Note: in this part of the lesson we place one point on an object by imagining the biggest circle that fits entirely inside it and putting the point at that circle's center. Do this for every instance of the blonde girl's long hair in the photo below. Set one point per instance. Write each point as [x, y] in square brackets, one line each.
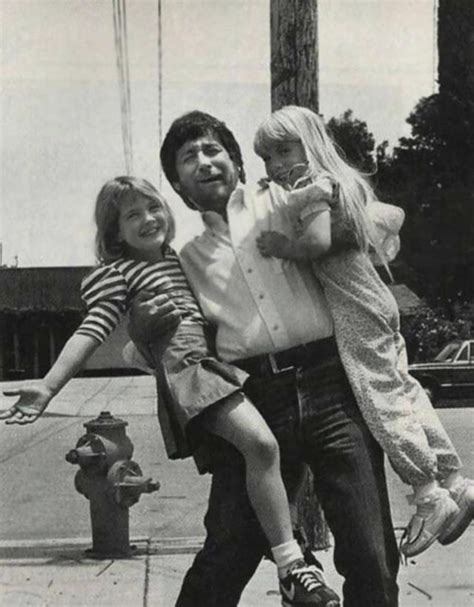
[294, 123]
[108, 246]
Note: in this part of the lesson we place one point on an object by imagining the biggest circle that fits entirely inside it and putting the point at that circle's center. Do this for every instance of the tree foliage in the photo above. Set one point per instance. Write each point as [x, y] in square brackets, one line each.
[430, 329]
[430, 174]
[428, 178]
[456, 84]
[354, 140]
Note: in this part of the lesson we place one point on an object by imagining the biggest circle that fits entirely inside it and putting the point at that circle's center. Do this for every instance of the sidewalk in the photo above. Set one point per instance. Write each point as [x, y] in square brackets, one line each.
[42, 561]
[58, 574]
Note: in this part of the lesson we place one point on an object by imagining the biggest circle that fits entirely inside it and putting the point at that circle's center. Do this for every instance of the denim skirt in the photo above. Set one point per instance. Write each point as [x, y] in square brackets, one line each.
[189, 381]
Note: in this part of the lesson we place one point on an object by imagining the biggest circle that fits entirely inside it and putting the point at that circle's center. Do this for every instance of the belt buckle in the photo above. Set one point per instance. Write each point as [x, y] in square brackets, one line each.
[274, 365]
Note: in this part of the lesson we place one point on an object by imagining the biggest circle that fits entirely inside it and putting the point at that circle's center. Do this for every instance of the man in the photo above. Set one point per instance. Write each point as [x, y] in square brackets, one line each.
[272, 321]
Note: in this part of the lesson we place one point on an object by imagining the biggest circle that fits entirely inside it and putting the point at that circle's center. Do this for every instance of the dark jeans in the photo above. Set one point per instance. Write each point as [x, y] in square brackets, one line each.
[316, 420]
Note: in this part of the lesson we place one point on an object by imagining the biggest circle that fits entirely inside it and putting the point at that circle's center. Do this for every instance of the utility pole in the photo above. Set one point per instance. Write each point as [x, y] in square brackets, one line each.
[294, 81]
[294, 53]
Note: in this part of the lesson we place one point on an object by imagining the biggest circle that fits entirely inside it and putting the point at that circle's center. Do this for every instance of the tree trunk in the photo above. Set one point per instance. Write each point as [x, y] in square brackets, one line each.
[294, 78]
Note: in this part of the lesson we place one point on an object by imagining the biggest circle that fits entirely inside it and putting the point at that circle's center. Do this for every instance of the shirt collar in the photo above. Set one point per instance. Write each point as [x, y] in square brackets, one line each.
[215, 222]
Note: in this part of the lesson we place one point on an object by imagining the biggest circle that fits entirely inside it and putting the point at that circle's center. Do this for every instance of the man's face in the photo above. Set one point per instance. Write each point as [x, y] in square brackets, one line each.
[207, 175]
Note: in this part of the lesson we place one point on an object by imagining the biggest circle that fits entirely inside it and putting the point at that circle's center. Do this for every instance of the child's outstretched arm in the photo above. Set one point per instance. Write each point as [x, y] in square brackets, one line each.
[34, 399]
[314, 241]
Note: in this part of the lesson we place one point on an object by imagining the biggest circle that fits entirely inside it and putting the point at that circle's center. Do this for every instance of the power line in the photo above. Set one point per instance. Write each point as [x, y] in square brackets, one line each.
[160, 86]
[128, 95]
[121, 53]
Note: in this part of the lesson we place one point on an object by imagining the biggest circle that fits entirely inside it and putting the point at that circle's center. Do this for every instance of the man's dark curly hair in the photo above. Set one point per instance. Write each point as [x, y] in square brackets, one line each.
[191, 126]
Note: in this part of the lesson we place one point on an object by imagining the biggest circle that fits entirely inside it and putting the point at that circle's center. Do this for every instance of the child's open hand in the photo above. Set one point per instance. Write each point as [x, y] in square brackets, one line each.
[31, 403]
[274, 244]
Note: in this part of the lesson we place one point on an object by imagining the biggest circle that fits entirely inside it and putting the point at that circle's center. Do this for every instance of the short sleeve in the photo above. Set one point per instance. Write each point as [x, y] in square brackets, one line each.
[387, 221]
[386, 217]
[104, 292]
[310, 200]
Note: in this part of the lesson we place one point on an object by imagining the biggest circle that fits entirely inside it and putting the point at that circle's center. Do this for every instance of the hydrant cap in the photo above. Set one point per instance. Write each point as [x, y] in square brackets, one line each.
[105, 419]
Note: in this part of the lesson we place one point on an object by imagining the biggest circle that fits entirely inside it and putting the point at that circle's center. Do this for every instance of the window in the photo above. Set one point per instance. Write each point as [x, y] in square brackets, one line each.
[463, 356]
[471, 347]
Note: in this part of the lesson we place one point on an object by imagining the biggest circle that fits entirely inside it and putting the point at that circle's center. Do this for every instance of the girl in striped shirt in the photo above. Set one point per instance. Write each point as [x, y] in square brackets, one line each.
[196, 393]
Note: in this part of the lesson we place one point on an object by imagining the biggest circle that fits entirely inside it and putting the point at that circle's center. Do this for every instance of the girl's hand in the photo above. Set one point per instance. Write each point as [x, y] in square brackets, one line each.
[274, 244]
[32, 401]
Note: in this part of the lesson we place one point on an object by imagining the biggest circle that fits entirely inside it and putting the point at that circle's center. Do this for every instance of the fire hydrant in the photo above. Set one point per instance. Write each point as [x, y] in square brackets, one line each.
[111, 481]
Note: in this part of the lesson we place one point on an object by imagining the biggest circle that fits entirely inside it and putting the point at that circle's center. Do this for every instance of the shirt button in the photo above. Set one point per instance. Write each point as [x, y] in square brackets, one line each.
[261, 296]
[249, 271]
[275, 327]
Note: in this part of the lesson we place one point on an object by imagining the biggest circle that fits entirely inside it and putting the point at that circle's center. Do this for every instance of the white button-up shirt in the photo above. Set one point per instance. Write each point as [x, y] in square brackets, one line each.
[258, 305]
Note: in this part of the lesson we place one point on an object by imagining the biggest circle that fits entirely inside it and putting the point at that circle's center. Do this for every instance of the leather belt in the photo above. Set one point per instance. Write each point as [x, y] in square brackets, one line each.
[298, 357]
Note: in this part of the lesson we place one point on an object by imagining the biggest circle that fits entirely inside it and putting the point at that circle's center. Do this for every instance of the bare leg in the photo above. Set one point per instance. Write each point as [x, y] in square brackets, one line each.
[240, 423]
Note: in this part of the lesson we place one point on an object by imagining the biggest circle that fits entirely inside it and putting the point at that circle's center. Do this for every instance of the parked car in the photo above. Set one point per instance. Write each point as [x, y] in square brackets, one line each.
[450, 374]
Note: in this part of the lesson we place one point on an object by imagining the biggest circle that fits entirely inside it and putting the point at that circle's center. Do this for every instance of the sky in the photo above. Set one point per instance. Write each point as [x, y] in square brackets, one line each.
[60, 118]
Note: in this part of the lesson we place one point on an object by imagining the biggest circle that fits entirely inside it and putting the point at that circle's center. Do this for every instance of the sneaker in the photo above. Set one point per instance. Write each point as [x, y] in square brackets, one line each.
[433, 513]
[304, 586]
[463, 494]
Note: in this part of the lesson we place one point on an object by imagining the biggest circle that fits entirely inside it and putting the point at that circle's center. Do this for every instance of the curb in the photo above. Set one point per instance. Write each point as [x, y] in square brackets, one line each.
[22, 549]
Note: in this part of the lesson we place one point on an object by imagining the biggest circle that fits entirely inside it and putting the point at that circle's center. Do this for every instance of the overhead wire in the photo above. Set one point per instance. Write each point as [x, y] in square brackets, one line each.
[128, 95]
[123, 69]
[160, 85]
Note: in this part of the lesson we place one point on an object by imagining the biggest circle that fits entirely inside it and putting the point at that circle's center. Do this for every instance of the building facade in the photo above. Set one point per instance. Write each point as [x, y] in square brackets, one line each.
[40, 308]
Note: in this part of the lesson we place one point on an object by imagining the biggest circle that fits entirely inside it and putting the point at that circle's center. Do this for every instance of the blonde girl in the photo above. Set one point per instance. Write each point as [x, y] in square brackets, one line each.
[197, 393]
[331, 210]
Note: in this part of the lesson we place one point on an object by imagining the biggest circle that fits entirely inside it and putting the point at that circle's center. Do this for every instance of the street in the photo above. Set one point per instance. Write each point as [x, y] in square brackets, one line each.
[38, 495]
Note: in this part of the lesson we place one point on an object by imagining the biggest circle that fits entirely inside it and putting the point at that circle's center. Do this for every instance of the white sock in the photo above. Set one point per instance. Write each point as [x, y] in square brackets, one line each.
[286, 554]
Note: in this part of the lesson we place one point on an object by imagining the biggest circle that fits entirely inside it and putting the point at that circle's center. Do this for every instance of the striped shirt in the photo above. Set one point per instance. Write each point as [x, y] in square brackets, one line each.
[109, 290]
